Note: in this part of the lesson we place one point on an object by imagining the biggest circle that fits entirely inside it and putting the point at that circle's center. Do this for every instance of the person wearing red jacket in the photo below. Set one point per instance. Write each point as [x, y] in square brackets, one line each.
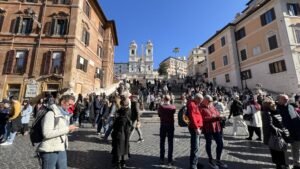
[195, 126]
[212, 130]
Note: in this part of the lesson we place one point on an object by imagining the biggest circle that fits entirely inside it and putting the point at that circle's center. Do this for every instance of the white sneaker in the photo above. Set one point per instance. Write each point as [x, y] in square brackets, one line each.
[6, 144]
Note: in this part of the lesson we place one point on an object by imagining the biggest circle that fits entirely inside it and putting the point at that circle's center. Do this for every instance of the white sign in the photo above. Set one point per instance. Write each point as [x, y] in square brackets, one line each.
[31, 90]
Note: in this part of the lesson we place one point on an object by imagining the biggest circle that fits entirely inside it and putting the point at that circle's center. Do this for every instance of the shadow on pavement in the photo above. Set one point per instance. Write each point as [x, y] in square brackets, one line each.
[89, 160]
[183, 162]
[87, 136]
[178, 136]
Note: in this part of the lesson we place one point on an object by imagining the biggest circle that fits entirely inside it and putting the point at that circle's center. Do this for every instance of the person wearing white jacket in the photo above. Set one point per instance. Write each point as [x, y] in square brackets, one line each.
[26, 112]
[55, 127]
[255, 124]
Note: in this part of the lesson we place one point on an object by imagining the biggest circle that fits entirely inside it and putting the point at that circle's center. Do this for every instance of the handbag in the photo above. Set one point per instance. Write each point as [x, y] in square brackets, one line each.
[276, 142]
[248, 117]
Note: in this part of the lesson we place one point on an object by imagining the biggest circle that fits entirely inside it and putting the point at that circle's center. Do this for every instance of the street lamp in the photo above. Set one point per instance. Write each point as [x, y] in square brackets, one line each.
[175, 51]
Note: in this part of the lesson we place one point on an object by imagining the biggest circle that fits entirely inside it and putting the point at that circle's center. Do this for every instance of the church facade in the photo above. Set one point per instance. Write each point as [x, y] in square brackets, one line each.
[141, 64]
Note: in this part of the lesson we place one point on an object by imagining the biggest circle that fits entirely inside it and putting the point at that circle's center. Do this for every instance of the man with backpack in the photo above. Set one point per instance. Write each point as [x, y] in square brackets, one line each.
[195, 125]
[54, 129]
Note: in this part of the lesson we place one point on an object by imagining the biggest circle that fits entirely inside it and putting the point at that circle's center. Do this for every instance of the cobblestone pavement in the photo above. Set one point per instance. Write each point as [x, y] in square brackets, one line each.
[87, 151]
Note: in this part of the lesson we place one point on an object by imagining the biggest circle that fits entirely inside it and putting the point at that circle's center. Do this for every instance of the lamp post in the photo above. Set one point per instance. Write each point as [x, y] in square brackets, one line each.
[175, 51]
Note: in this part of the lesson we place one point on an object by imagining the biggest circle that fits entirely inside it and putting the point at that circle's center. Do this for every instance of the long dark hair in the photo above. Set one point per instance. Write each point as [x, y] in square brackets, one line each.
[80, 98]
[26, 106]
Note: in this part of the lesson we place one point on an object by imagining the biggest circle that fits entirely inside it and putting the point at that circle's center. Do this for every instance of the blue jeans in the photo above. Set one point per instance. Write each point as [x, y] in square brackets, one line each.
[219, 141]
[108, 127]
[195, 145]
[166, 130]
[99, 123]
[54, 160]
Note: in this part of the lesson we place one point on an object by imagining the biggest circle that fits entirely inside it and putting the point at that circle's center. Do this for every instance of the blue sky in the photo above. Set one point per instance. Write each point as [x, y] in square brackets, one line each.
[168, 23]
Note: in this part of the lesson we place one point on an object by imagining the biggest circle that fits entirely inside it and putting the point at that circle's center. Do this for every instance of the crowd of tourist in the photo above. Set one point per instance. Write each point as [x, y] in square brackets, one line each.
[274, 120]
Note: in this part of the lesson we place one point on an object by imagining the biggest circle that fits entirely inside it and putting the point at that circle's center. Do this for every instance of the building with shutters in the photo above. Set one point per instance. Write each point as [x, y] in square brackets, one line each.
[176, 67]
[121, 70]
[261, 46]
[195, 58]
[46, 46]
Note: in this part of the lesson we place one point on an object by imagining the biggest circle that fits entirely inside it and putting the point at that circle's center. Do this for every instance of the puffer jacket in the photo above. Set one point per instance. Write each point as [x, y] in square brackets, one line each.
[55, 129]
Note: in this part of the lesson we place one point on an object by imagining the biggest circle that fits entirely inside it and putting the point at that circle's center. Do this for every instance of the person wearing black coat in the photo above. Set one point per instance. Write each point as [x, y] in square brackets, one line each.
[236, 110]
[291, 120]
[98, 116]
[135, 118]
[120, 135]
[272, 125]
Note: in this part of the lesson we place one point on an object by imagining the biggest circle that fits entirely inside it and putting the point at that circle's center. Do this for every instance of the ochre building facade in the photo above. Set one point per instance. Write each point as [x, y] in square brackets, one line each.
[54, 45]
[261, 47]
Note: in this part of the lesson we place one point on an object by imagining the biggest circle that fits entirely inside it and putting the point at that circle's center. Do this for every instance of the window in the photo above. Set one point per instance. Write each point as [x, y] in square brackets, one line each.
[214, 81]
[223, 41]
[81, 63]
[211, 49]
[24, 26]
[268, 17]
[61, 1]
[101, 29]
[99, 73]
[241, 33]
[149, 51]
[213, 66]
[53, 63]
[14, 90]
[246, 74]
[225, 60]
[57, 62]
[20, 62]
[132, 52]
[87, 8]
[277, 67]
[297, 34]
[272, 42]
[59, 26]
[99, 51]
[256, 51]
[227, 78]
[15, 62]
[1, 21]
[293, 9]
[85, 37]
[243, 54]
[32, 1]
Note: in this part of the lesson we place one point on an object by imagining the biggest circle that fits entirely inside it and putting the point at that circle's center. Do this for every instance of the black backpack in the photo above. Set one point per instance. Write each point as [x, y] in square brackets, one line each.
[36, 133]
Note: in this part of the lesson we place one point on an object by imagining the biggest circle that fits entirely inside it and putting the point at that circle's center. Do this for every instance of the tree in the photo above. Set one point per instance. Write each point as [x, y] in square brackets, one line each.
[163, 69]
